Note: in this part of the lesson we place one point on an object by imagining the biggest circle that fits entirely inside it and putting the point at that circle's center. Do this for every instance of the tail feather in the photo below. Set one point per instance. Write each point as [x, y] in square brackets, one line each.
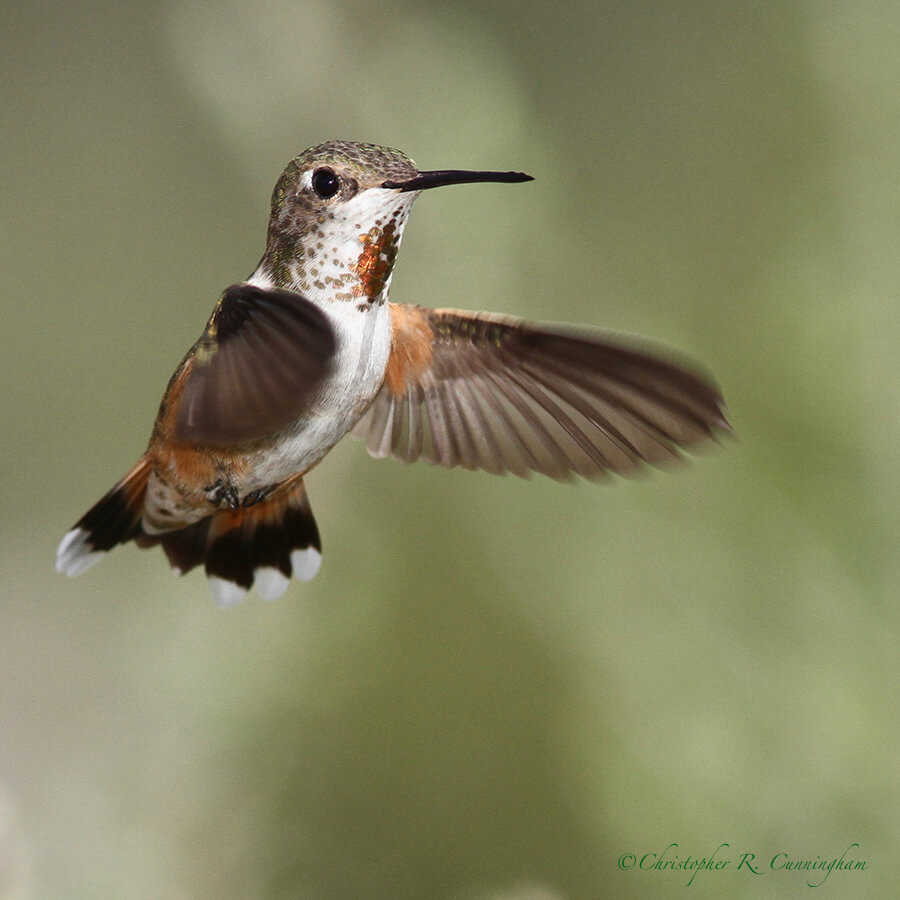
[185, 548]
[114, 519]
[257, 546]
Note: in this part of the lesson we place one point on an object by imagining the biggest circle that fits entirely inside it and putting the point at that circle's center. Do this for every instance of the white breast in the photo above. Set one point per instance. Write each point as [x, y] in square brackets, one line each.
[363, 339]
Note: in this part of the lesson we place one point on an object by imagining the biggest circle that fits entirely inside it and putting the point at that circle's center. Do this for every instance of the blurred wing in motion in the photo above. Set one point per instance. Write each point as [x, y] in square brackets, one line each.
[491, 392]
[262, 356]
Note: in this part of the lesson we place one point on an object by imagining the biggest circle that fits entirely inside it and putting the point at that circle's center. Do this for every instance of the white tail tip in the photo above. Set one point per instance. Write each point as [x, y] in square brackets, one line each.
[226, 593]
[306, 563]
[270, 583]
[74, 555]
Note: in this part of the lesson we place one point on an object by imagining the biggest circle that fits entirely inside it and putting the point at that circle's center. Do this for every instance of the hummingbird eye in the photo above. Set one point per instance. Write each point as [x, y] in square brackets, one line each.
[325, 183]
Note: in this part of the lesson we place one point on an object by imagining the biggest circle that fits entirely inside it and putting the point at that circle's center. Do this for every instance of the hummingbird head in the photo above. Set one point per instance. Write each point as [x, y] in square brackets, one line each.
[338, 213]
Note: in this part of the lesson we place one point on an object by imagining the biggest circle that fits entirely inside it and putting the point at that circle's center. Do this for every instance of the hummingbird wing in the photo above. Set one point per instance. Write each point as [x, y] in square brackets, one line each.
[263, 354]
[490, 392]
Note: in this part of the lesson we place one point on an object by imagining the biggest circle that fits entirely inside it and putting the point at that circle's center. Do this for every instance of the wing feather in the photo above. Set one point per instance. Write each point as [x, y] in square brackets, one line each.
[263, 355]
[500, 394]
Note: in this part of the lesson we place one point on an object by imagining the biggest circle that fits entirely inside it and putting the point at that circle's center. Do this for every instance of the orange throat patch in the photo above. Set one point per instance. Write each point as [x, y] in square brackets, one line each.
[376, 260]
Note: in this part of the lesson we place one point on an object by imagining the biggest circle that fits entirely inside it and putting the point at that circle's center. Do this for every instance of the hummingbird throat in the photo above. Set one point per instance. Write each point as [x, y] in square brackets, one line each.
[344, 256]
[376, 261]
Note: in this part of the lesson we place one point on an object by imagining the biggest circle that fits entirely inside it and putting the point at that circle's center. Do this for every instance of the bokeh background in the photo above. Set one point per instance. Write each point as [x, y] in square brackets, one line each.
[494, 688]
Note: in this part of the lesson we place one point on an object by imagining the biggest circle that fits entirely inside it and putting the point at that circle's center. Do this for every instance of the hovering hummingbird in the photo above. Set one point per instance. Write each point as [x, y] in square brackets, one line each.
[310, 347]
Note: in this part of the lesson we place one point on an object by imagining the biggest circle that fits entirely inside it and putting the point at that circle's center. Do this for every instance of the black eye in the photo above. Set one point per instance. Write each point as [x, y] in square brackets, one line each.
[325, 183]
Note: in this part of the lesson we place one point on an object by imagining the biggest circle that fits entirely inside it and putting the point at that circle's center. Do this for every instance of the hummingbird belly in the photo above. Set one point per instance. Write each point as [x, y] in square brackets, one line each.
[363, 338]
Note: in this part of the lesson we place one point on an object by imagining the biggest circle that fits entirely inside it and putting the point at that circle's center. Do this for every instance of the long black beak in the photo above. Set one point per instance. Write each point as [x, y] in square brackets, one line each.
[425, 180]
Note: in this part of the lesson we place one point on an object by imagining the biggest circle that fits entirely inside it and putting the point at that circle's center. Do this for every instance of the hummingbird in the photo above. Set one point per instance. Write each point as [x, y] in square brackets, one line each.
[310, 348]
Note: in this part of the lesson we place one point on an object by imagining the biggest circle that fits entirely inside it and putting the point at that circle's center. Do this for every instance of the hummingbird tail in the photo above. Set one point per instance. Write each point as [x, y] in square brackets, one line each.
[112, 520]
[256, 546]
[260, 545]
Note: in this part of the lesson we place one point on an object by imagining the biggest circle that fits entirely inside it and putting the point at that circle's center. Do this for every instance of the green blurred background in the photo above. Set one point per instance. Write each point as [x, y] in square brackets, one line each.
[494, 688]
